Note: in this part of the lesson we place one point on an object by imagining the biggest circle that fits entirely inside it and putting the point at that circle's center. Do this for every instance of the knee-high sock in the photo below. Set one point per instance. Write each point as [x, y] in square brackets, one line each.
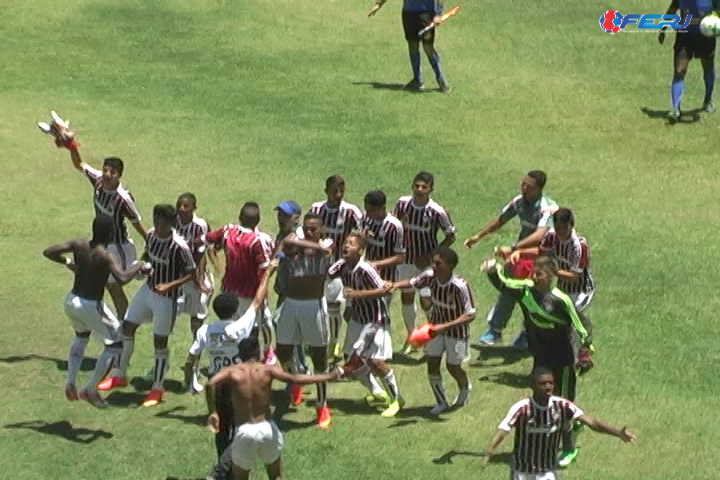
[409, 312]
[321, 393]
[368, 380]
[162, 356]
[75, 357]
[709, 77]
[436, 384]
[125, 356]
[391, 385]
[335, 319]
[676, 91]
[105, 362]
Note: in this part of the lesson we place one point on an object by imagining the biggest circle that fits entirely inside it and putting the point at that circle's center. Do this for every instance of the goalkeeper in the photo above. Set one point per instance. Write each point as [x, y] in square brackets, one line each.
[557, 332]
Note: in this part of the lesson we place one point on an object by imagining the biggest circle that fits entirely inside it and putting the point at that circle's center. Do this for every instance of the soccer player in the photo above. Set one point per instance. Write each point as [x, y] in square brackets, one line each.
[111, 199]
[453, 308]
[422, 219]
[250, 384]
[555, 329]
[156, 301]
[339, 219]
[302, 317]
[416, 15]
[688, 45]
[85, 308]
[534, 210]
[368, 331]
[539, 421]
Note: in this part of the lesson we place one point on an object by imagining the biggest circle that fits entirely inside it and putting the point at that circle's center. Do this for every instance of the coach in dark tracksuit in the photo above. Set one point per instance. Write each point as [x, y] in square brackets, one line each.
[556, 330]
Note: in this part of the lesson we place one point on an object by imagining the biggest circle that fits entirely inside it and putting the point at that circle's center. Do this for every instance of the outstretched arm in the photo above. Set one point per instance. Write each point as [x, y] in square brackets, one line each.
[491, 227]
[496, 276]
[495, 442]
[601, 427]
[281, 375]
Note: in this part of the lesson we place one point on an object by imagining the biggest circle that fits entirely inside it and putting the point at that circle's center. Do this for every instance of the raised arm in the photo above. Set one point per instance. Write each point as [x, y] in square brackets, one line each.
[55, 252]
[498, 279]
[305, 245]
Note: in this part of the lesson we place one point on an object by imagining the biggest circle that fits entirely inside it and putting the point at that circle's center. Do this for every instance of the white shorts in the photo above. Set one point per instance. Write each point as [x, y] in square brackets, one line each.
[255, 441]
[457, 350]
[406, 271]
[92, 316]
[582, 300]
[125, 253]
[535, 476]
[334, 290]
[369, 341]
[243, 305]
[147, 306]
[194, 302]
[303, 322]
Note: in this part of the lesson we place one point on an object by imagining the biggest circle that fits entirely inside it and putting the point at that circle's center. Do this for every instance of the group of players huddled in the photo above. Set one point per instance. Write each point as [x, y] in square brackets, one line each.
[334, 255]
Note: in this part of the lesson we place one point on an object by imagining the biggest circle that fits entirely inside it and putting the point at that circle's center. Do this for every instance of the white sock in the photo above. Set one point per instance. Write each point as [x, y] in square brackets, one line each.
[409, 312]
[335, 320]
[75, 357]
[391, 385]
[367, 380]
[436, 384]
[162, 356]
[127, 352]
[102, 367]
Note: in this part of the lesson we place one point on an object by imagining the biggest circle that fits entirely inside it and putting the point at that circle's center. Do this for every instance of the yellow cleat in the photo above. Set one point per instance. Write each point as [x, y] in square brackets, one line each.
[394, 408]
[381, 397]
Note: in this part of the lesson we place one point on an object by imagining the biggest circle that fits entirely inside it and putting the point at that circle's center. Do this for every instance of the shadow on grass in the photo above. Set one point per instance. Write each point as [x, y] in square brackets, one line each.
[142, 385]
[508, 379]
[62, 429]
[507, 354]
[353, 407]
[172, 414]
[88, 364]
[402, 359]
[413, 413]
[125, 399]
[398, 87]
[447, 458]
[690, 116]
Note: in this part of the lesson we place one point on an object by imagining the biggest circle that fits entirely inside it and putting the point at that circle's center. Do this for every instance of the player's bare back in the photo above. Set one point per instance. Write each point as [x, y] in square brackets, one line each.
[92, 268]
[250, 387]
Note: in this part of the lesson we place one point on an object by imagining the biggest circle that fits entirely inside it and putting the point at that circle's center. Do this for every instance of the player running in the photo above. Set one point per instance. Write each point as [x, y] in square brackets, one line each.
[555, 329]
[368, 330]
[539, 422]
[691, 44]
[111, 199]
[156, 301]
[422, 219]
[534, 210]
[339, 219]
[453, 308]
[85, 308]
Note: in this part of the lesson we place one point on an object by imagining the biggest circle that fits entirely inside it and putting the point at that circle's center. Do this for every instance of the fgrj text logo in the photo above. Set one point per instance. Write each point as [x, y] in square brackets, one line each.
[610, 21]
[613, 21]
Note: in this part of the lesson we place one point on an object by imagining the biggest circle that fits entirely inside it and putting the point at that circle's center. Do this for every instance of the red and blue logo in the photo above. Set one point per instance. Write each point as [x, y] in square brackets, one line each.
[613, 21]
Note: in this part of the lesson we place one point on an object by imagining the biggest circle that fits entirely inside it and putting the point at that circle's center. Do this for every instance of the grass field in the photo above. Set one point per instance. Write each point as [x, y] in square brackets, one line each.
[262, 100]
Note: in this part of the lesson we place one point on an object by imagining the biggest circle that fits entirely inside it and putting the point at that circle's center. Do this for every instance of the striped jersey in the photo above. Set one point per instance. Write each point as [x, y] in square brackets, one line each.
[338, 222]
[362, 276]
[246, 259]
[300, 265]
[421, 226]
[449, 301]
[538, 430]
[193, 232]
[573, 255]
[220, 340]
[385, 240]
[531, 214]
[117, 204]
[171, 259]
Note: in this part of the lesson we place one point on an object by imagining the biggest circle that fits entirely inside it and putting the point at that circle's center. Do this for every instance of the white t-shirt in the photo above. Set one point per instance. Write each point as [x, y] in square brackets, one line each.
[221, 339]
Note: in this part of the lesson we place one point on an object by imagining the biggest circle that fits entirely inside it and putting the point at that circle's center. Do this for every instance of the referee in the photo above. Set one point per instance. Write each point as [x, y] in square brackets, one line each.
[416, 15]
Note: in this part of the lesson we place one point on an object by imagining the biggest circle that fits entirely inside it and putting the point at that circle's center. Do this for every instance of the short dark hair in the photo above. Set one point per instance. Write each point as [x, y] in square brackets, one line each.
[249, 349]
[539, 177]
[225, 305]
[250, 214]
[448, 255]
[564, 216]
[164, 211]
[540, 371]
[360, 239]
[426, 177]
[546, 263]
[187, 196]
[115, 163]
[334, 179]
[312, 216]
[103, 229]
[375, 199]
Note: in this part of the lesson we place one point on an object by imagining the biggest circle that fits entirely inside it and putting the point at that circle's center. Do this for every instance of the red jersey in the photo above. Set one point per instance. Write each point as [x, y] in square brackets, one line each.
[246, 259]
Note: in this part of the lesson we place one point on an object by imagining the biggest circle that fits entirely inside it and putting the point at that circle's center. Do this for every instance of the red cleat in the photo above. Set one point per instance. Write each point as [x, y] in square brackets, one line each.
[296, 395]
[112, 382]
[324, 417]
[71, 392]
[154, 397]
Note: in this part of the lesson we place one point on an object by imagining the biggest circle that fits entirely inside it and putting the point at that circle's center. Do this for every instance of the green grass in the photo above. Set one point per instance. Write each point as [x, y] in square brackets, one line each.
[241, 101]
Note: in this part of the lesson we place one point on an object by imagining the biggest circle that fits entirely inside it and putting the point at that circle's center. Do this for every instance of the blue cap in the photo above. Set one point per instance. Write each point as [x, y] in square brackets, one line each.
[289, 207]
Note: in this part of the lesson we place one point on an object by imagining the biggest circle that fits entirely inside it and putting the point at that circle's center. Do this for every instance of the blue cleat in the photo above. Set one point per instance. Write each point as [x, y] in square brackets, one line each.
[491, 337]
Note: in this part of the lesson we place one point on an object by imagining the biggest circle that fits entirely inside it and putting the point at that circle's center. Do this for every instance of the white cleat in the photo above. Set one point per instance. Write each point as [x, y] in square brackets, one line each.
[438, 409]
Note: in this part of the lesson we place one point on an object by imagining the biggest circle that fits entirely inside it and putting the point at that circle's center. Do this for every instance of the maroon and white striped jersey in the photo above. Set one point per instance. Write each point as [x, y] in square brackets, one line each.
[538, 431]
[299, 266]
[587, 282]
[362, 276]
[421, 226]
[338, 222]
[449, 301]
[267, 242]
[170, 258]
[117, 204]
[386, 240]
[192, 233]
[572, 256]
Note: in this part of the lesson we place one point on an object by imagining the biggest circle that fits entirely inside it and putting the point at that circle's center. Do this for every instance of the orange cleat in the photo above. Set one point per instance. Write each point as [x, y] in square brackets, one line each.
[71, 392]
[324, 417]
[296, 395]
[112, 382]
[154, 397]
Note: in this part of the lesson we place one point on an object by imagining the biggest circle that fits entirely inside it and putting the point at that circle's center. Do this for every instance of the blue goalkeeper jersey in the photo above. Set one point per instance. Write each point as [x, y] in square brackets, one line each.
[696, 8]
[434, 6]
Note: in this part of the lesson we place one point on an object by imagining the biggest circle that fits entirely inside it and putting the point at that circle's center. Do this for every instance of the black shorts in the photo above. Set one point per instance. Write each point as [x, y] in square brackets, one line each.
[694, 45]
[413, 22]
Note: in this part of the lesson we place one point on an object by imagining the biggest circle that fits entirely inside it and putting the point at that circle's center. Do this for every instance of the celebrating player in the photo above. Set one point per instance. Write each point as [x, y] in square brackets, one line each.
[422, 218]
[156, 301]
[539, 421]
[453, 308]
[534, 210]
[339, 219]
[368, 332]
[85, 308]
[691, 44]
[111, 199]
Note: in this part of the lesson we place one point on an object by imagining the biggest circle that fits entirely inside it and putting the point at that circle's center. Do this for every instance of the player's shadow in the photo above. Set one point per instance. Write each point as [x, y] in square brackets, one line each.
[689, 116]
[141, 384]
[125, 399]
[87, 364]
[447, 458]
[172, 414]
[398, 87]
[508, 379]
[413, 413]
[352, 407]
[62, 429]
[507, 355]
[402, 359]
